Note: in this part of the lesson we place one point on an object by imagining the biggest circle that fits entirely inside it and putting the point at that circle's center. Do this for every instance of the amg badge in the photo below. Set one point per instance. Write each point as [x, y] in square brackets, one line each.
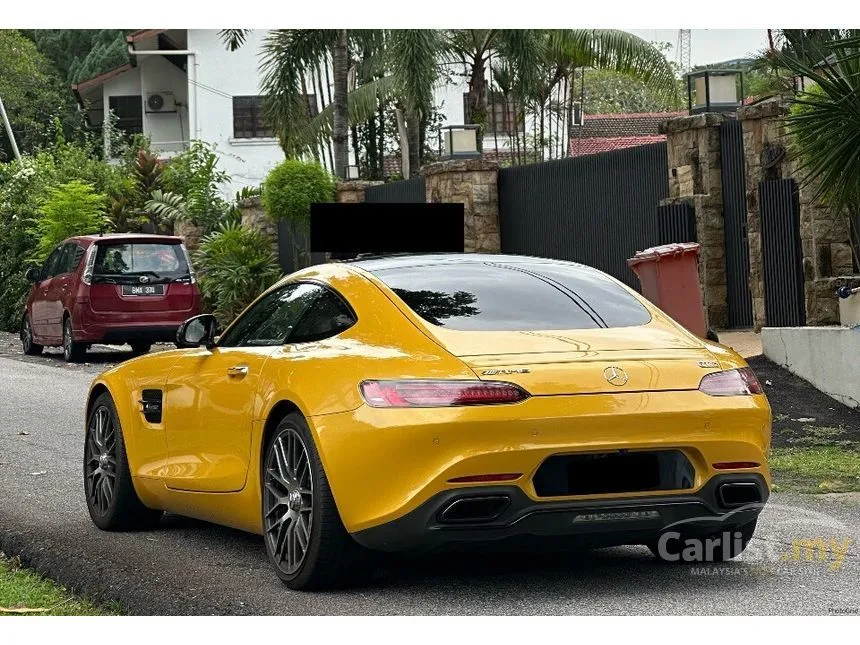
[494, 372]
[708, 364]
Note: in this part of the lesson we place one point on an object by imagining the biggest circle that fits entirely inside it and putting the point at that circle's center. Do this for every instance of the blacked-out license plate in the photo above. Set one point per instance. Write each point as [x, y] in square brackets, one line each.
[143, 289]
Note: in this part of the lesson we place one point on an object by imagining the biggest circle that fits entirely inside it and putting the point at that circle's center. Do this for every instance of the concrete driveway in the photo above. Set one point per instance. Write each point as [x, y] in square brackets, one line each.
[189, 567]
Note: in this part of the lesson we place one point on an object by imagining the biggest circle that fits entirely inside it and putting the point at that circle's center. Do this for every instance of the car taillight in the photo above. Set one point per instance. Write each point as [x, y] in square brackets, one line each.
[192, 275]
[737, 382]
[439, 393]
[89, 264]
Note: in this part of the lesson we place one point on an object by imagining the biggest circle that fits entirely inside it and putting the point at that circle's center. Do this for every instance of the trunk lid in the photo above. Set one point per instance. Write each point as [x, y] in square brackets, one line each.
[636, 359]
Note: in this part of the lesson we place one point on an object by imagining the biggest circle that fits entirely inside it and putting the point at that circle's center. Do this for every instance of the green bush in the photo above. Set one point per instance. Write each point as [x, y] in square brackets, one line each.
[292, 186]
[235, 264]
[288, 192]
[192, 183]
[70, 209]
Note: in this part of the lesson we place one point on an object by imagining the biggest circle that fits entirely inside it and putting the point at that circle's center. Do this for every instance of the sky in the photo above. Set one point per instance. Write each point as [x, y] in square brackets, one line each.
[711, 45]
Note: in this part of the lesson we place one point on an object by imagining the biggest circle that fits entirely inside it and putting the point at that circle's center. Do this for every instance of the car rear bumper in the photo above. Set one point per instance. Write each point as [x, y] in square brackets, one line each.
[119, 327]
[591, 523]
[382, 464]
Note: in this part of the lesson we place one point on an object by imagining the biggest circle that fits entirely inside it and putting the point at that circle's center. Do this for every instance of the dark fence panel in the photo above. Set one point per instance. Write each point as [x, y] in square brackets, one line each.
[287, 258]
[739, 301]
[676, 223]
[782, 254]
[598, 209]
[407, 191]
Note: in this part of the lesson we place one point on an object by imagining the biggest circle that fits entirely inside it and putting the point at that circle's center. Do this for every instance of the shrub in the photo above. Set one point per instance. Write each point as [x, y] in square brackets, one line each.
[292, 186]
[288, 192]
[73, 208]
[192, 188]
[235, 264]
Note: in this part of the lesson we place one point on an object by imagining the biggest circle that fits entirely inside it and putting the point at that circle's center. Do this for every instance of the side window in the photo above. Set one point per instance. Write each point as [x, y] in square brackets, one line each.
[50, 265]
[270, 321]
[75, 257]
[328, 317]
[65, 262]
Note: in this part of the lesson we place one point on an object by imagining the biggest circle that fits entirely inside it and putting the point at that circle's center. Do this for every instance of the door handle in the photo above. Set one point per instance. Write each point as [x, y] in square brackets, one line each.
[237, 370]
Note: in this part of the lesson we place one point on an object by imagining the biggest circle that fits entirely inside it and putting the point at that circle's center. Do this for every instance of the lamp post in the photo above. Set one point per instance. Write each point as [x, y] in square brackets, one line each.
[352, 172]
[716, 90]
[460, 142]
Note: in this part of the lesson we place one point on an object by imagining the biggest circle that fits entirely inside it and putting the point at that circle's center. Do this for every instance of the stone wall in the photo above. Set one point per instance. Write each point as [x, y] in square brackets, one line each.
[695, 178]
[473, 183]
[254, 216]
[190, 233]
[823, 230]
[352, 192]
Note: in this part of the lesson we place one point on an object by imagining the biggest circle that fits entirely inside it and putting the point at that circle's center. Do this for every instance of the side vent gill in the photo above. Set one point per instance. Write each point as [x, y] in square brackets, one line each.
[150, 405]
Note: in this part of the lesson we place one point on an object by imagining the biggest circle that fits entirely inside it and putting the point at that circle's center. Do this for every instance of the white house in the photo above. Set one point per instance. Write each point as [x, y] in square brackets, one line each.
[183, 85]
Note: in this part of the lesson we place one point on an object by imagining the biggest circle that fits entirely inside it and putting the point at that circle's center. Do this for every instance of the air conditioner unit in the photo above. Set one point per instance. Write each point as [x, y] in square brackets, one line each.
[160, 102]
[578, 114]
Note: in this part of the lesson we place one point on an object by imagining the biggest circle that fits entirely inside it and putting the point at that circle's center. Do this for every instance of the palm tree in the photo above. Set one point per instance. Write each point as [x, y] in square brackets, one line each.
[825, 125]
[401, 64]
[543, 60]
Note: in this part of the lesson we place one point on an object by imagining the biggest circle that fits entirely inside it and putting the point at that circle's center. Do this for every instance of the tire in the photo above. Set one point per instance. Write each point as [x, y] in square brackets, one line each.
[330, 557]
[111, 499]
[140, 347]
[672, 549]
[73, 352]
[30, 347]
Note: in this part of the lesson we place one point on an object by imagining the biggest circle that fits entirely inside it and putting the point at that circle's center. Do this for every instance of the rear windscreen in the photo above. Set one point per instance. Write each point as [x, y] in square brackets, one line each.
[514, 296]
[160, 260]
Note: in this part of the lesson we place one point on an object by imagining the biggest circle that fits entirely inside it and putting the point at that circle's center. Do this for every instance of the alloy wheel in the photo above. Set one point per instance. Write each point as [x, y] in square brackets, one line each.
[67, 339]
[26, 335]
[101, 460]
[288, 501]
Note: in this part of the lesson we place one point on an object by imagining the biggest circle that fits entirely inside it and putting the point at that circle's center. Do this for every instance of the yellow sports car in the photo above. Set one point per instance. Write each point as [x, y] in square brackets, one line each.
[407, 402]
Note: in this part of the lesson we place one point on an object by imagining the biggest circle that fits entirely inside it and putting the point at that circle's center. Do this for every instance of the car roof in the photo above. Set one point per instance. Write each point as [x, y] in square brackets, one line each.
[380, 263]
[128, 237]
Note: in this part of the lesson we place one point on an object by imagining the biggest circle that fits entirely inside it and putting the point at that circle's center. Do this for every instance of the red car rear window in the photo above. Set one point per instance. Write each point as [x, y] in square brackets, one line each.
[164, 260]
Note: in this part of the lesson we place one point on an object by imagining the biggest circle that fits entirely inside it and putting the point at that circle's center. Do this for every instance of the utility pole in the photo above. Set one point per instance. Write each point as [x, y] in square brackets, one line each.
[9, 130]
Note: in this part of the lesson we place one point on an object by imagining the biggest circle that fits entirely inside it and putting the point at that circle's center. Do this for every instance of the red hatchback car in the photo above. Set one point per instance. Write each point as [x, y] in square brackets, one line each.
[111, 289]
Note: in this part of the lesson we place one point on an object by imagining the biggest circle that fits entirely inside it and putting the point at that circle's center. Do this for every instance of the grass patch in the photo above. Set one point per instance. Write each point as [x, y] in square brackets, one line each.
[24, 589]
[822, 469]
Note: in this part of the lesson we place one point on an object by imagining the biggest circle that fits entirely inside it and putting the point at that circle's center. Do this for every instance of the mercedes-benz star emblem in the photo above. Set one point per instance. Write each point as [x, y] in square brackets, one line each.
[144, 279]
[615, 376]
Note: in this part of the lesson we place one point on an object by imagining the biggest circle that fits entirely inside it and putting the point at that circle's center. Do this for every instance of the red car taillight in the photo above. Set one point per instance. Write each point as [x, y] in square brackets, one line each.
[439, 393]
[737, 382]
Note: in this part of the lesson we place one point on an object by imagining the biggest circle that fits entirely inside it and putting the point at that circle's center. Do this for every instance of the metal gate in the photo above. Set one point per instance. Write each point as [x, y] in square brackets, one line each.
[782, 254]
[739, 299]
[407, 191]
[596, 209]
[676, 223]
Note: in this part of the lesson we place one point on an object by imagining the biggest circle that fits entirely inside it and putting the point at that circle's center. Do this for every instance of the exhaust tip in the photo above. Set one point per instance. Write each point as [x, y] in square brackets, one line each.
[736, 494]
[474, 509]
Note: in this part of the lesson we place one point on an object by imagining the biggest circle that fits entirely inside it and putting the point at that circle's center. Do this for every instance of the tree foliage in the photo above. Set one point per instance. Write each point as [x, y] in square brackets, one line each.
[34, 96]
[72, 208]
[825, 126]
[79, 54]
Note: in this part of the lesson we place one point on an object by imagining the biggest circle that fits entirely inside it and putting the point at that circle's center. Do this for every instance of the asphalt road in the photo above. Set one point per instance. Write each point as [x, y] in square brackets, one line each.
[189, 567]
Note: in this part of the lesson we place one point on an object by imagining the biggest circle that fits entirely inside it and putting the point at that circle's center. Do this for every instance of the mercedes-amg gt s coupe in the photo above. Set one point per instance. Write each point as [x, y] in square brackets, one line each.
[425, 401]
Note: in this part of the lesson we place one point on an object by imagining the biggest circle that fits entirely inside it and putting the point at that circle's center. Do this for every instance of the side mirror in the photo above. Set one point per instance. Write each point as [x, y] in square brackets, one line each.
[197, 331]
[33, 274]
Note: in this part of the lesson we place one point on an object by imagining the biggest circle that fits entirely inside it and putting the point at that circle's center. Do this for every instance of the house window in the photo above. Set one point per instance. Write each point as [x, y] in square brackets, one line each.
[501, 114]
[129, 113]
[248, 119]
